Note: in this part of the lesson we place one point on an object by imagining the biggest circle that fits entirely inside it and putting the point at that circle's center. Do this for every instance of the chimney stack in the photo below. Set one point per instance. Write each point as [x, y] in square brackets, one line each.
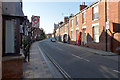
[66, 19]
[81, 7]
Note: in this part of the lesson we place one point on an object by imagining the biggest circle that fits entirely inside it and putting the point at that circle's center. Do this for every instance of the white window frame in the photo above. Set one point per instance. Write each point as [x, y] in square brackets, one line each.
[96, 33]
[71, 22]
[77, 20]
[97, 11]
[84, 17]
[65, 28]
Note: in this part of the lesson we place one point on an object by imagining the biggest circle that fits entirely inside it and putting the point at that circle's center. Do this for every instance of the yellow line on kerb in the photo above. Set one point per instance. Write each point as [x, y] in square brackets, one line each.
[59, 67]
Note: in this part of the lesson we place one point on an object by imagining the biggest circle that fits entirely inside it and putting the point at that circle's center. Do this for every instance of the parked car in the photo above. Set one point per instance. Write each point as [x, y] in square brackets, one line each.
[53, 40]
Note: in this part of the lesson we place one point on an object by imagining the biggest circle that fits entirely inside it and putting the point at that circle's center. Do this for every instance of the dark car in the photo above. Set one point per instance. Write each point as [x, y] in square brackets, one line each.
[53, 40]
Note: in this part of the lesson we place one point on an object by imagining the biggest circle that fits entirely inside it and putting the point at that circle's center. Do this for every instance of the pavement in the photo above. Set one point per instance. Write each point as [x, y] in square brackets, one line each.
[95, 51]
[39, 66]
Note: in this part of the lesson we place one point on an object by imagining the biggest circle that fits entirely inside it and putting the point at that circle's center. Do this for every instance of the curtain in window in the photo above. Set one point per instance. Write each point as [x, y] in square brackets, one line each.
[96, 33]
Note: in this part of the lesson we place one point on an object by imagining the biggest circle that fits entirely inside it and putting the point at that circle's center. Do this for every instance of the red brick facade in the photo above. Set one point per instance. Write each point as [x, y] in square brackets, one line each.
[86, 30]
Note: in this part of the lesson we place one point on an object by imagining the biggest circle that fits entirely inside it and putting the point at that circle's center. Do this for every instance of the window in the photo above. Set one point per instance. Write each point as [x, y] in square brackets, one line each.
[71, 34]
[77, 20]
[65, 28]
[10, 36]
[95, 13]
[84, 17]
[72, 23]
[96, 34]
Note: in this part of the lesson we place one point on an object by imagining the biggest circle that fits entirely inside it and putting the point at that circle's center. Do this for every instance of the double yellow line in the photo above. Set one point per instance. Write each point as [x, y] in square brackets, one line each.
[64, 73]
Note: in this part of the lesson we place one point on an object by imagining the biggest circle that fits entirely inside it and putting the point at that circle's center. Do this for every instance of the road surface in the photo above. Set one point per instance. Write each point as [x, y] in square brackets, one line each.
[79, 63]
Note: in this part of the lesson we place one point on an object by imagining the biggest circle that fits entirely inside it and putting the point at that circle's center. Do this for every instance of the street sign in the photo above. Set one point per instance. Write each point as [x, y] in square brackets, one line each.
[35, 21]
[108, 25]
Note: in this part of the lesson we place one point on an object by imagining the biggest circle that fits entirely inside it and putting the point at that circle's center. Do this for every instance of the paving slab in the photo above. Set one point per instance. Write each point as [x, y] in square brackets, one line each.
[37, 67]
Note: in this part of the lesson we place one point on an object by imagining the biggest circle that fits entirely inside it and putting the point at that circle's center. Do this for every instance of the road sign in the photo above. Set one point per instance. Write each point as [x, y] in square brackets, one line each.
[108, 25]
[35, 21]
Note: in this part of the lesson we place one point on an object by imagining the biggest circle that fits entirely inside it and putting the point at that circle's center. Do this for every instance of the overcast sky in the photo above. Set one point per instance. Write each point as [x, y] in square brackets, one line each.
[50, 12]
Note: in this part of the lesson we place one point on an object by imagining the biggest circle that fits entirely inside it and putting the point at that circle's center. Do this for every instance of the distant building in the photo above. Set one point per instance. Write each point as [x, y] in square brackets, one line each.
[49, 35]
[36, 34]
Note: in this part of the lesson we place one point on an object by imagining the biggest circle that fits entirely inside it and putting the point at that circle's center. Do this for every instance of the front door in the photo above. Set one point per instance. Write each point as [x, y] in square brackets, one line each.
[77, 36]
[85, 37]
[80, 38]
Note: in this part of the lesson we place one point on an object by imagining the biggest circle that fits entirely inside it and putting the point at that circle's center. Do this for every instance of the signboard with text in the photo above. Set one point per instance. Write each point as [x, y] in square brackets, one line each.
[108, 25]
[35, 21]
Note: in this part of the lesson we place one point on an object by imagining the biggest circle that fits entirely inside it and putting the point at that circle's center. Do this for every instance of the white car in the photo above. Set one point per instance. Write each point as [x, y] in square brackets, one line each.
[53, 40]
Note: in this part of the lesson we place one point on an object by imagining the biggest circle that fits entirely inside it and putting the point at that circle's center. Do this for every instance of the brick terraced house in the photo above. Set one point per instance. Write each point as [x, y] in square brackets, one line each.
[95, 26]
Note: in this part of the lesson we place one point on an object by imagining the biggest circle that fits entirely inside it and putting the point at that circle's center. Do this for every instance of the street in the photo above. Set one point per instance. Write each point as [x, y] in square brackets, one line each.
[79, 63]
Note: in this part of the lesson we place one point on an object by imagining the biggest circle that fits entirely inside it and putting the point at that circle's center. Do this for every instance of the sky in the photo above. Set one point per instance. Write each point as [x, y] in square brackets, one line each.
[50, 12]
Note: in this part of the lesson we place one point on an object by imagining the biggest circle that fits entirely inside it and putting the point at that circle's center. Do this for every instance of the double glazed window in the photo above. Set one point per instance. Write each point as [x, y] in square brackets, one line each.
[84, 17]
[65, 28]
[95, 13]
[72, 23]
[96, 33]
[77, 20]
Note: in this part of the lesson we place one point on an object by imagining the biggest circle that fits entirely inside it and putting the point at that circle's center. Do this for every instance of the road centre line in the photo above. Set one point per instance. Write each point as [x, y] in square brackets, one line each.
[80, 58]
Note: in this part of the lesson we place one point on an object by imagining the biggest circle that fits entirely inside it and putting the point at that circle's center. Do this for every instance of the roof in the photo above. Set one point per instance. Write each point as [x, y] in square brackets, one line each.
[12, 9]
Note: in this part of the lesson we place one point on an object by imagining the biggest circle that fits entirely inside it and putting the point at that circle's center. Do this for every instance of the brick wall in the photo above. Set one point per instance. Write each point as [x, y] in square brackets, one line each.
[0, 39]
[113, 9]
[12, 68]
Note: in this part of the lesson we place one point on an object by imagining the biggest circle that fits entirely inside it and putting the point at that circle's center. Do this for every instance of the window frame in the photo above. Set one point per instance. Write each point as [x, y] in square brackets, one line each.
[77, 20]
[71, 22]
[84, 17]
[93, 13]
[96, 34]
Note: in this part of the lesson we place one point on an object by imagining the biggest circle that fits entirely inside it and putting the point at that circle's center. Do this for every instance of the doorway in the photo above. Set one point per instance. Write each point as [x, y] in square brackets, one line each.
[77, 36]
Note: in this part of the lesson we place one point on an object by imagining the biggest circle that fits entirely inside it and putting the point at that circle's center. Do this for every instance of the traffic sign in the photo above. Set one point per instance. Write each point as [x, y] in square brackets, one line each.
[108, 25]
[35, 21]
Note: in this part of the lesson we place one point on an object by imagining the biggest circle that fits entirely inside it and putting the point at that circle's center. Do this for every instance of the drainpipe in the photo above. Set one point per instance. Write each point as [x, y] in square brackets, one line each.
[68, 33]
[106, 21]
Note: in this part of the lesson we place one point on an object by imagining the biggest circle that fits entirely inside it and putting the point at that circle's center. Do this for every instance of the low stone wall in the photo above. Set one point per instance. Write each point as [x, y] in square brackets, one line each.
[12, 67]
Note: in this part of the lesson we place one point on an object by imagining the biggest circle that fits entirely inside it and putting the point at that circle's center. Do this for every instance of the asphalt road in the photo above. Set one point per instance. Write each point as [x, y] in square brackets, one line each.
[79, 63]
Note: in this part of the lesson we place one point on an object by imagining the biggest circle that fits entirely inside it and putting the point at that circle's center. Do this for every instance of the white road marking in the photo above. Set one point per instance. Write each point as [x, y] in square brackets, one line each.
[77, 56]
[116, 71]
[80, 58]
[86, 60]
